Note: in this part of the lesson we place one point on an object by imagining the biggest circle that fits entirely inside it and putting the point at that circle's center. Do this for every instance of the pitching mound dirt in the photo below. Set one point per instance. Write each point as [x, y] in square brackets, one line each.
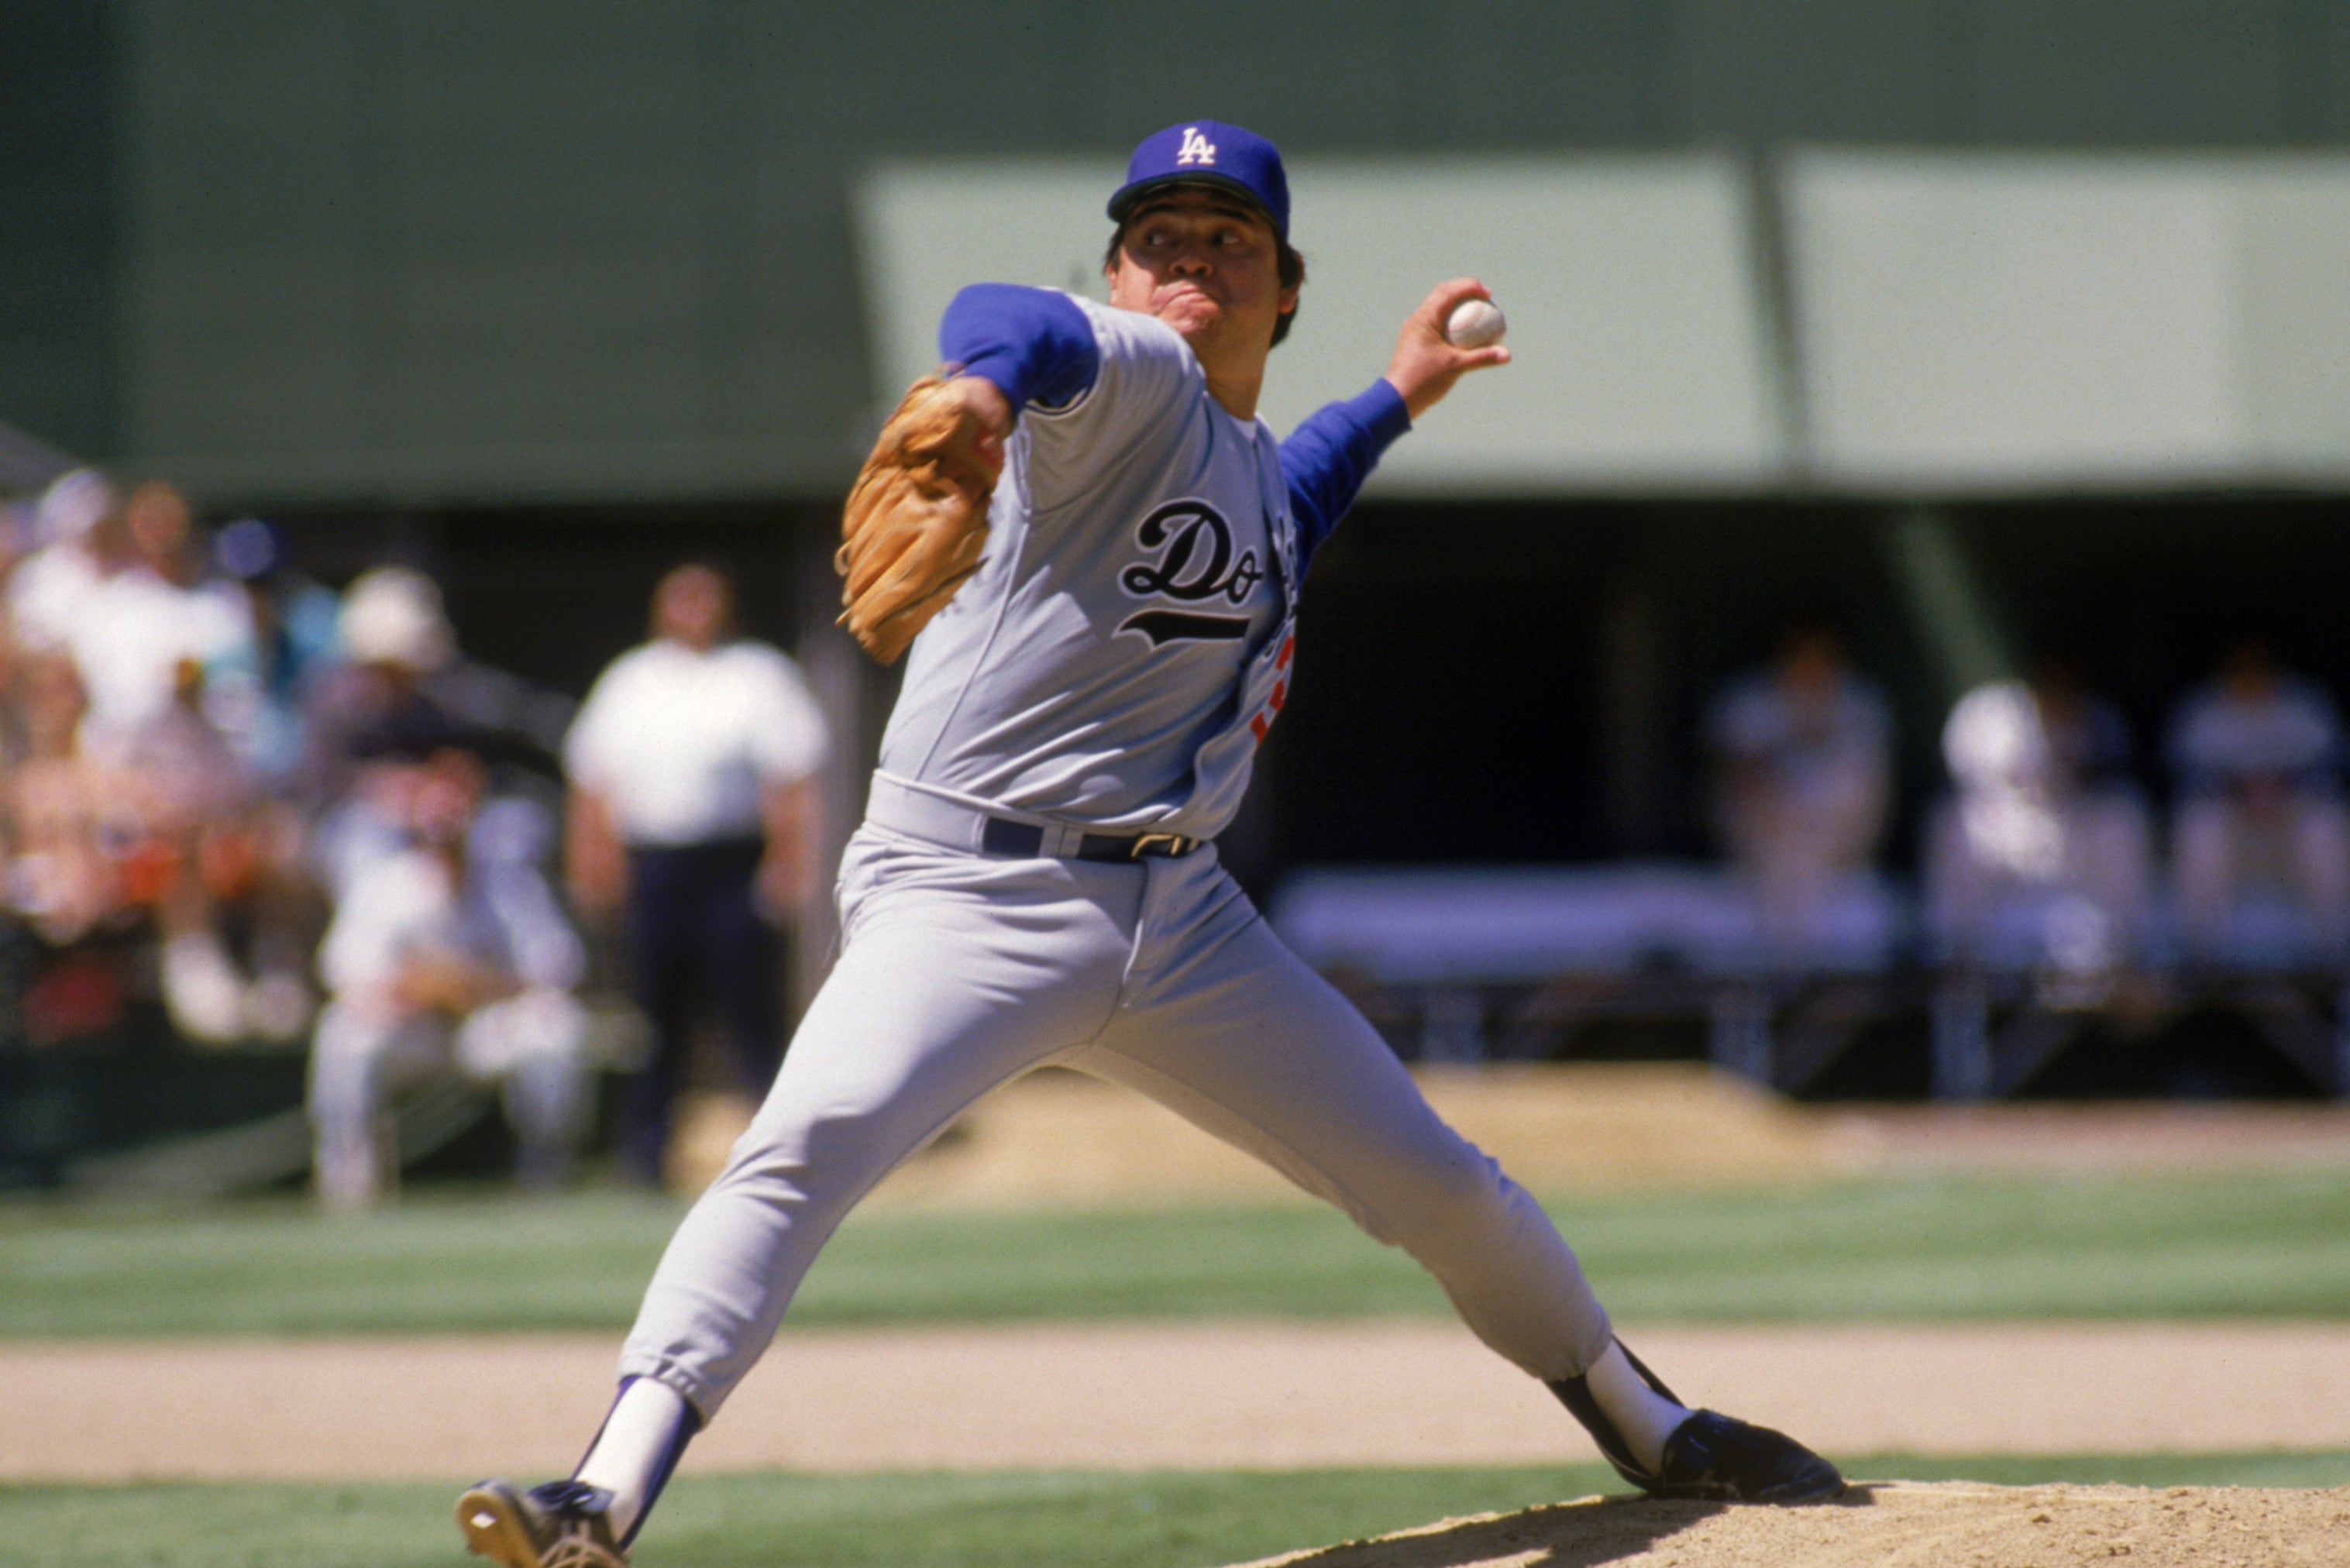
[1886, 1524]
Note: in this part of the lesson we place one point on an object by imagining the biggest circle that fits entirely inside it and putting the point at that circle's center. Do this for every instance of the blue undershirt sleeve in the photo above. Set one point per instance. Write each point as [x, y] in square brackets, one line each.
[1330, 453]
[1032, 343]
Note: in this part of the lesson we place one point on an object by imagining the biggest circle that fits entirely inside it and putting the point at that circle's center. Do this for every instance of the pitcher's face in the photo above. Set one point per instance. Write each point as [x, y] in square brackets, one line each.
[1206, 262]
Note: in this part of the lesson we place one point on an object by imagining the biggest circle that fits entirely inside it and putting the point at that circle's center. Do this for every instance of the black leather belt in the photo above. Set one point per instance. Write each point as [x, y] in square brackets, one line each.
[1025, 841]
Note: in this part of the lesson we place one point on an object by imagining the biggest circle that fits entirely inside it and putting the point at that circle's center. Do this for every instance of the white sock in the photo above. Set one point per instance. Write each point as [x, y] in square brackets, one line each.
[1645, 1416]
[638, 1446]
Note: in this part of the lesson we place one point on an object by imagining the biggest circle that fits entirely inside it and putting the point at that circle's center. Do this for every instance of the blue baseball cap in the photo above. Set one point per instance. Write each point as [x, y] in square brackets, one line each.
[1208, 151]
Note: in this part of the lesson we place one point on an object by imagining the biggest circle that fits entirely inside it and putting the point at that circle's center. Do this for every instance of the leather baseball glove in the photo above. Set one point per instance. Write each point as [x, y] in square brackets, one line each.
[917, 517]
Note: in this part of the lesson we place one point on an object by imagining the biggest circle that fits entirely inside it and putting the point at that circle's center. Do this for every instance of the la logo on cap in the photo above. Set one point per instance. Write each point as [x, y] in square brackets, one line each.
[1196, 148]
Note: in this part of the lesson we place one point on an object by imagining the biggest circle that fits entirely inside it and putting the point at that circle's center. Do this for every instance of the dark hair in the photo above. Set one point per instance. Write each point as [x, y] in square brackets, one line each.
[703, 564]
[1289, 270]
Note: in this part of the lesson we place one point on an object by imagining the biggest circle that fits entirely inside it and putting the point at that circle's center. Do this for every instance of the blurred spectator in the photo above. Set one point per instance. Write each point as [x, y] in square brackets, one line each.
[161, 831]
[151, 613]
[61, 884]
[2046, 853]
[252, 711]
[405, 689]
[2257, 758]
[1801, 755]
[393, 638]
[254, 692]
[185, 817]
[60, 881]
[693, 801]
[47, 584]
[448, 955]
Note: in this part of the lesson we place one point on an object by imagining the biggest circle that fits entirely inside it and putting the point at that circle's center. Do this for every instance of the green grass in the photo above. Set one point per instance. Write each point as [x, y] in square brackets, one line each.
[2223, 1245]
[1012, 1521]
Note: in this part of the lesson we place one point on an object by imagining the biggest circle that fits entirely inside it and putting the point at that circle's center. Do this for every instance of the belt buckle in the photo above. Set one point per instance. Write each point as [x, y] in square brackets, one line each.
[1156, 843]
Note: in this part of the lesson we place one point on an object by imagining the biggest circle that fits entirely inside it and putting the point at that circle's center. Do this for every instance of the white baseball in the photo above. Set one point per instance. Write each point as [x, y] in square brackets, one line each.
[1475, 323]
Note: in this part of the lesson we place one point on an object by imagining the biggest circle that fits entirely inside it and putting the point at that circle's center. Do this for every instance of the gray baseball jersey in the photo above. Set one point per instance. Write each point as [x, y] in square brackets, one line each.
[1113, 661]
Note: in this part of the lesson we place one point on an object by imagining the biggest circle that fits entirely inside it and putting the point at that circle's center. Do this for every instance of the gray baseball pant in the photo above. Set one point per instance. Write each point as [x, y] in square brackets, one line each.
[959, 972]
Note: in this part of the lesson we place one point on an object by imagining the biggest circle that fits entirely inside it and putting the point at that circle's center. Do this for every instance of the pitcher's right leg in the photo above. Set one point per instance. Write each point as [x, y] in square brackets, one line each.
[942, 993]
[958, 973]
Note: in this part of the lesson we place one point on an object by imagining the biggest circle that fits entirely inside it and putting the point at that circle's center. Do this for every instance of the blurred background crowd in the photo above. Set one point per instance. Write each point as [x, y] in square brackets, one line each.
[290, 815]
[2046, 847]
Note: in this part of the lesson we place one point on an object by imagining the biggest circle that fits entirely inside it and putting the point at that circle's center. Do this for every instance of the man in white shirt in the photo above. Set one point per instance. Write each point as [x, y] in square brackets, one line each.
[135, 631]
[2044, 851]
[693, 805]
[46, 590]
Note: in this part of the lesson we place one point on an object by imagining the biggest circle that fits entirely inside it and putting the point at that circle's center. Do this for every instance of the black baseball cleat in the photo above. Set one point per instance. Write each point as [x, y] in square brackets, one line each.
[1723, 1460]
[1711, 1456]
[558, 1524]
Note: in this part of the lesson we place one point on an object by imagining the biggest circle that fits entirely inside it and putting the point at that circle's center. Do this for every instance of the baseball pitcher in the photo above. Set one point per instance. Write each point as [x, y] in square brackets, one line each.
[1091, 551]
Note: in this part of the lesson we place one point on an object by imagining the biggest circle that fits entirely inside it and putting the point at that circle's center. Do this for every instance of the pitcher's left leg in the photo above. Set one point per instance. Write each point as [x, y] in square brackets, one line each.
[1250, 1045]
[1241, 1039]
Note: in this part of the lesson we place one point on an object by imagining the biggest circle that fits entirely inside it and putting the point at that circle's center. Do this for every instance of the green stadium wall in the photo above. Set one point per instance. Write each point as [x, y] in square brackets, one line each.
[304, 251]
